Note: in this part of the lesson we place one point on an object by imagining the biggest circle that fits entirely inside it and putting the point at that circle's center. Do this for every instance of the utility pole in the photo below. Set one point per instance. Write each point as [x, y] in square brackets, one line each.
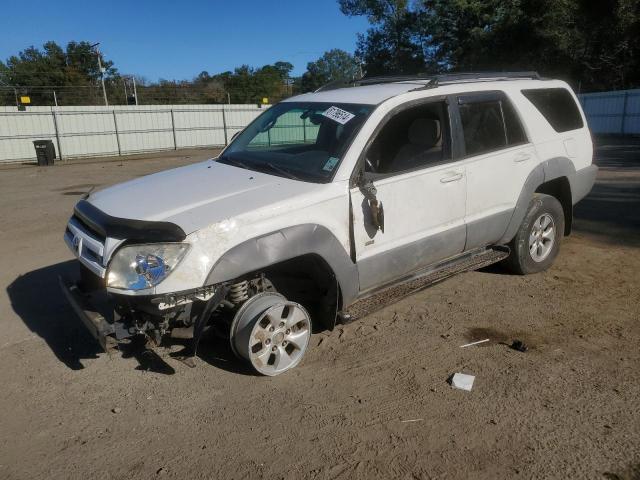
[135, 92]
[55, 98]
[104, 90]
[359, 62]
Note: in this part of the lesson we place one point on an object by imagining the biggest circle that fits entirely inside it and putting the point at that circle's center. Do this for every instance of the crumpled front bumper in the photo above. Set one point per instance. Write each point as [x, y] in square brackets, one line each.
[91, 315]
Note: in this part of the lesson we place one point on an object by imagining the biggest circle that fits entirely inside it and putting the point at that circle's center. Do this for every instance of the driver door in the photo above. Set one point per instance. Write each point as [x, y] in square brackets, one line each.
[423, 205]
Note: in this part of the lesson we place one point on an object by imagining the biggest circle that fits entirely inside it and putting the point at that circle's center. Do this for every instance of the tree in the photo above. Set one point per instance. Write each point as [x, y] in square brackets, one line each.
[334, 65]
[592, 44]
[36, 71]
[394, 43]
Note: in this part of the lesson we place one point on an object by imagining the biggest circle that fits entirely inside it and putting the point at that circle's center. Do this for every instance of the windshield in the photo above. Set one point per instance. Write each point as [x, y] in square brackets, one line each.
[300, 140]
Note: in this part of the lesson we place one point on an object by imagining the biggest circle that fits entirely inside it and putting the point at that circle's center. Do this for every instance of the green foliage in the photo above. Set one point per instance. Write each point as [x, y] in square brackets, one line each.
[246, 84]
[74, 75]
[394, 43]
[589, 43]
[75, 66]
[334, 65]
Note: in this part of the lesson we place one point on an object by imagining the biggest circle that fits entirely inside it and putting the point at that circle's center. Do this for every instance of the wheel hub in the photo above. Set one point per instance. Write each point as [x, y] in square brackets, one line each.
[278, 338]
[271, 333]
[542, 237]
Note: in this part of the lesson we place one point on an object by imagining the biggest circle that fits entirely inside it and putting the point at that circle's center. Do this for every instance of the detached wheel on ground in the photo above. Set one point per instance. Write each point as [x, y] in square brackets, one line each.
[537, 242]
[271, 333]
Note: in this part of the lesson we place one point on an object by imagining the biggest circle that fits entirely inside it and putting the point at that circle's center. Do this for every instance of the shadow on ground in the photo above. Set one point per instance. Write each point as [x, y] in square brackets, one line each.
[37, 299]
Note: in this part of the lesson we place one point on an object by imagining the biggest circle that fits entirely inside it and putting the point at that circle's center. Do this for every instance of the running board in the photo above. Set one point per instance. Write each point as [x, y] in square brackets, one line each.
[420, 281]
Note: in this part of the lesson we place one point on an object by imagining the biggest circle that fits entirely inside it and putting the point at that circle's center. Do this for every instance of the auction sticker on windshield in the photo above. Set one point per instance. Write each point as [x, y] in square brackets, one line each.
[339, 115]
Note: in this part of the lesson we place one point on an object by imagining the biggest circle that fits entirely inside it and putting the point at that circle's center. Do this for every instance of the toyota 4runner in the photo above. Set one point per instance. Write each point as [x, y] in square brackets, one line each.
[386, 184]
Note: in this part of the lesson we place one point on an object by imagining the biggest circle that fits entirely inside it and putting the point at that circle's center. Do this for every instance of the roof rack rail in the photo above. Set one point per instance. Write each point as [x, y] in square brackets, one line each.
[475, 76]
[372, 81]
[433, 80]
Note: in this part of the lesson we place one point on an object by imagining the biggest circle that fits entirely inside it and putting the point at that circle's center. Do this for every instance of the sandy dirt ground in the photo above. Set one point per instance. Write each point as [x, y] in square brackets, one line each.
[370, 399]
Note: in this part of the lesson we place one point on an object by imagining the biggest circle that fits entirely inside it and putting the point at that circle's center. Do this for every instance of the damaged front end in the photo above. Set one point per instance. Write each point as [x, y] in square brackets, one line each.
[121, 264]
[114, 318]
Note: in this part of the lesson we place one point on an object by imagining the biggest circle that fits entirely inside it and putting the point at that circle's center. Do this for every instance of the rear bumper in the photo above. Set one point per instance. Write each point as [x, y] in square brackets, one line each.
[96, 323]
[582, 182]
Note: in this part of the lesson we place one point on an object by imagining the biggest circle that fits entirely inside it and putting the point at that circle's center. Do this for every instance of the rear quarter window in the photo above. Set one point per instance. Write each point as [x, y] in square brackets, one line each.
[557, 106]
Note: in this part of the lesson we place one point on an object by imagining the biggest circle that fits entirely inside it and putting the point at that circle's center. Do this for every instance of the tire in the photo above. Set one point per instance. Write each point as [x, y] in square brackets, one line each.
[537, 242]
[270, 333]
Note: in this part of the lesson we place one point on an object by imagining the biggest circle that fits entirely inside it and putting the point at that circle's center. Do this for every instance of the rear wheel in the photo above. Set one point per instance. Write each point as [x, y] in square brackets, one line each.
[271, 333]
[537, 242]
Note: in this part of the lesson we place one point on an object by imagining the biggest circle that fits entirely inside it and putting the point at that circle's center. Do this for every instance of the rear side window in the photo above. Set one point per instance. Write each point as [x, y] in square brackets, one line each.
[557, 106]
[489, 125]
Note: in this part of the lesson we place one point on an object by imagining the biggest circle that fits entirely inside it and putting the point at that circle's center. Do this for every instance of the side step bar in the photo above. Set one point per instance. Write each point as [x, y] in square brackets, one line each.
[422, 280]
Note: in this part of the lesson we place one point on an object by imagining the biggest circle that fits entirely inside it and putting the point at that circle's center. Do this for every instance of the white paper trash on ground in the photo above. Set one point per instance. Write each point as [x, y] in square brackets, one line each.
[462, 381]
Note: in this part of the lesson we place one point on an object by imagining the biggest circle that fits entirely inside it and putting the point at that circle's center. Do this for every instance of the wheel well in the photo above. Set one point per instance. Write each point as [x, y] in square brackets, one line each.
[309, 281]
[561, 190]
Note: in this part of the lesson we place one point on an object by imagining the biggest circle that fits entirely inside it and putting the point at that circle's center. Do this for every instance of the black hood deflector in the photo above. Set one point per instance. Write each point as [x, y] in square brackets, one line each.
[125, 228]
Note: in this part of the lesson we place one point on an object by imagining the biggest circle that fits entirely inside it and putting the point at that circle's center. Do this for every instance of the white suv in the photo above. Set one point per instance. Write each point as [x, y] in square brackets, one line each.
[328, 199]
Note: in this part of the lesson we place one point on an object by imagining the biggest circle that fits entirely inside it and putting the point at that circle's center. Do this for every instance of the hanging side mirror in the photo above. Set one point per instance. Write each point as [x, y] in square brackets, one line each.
[376, 208]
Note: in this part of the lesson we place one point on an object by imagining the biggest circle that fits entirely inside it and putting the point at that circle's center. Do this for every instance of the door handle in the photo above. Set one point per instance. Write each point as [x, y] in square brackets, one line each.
[454, 177]
[521, 157]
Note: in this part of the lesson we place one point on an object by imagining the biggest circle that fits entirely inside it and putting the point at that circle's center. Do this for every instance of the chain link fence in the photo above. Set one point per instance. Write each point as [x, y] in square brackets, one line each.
[126, 91]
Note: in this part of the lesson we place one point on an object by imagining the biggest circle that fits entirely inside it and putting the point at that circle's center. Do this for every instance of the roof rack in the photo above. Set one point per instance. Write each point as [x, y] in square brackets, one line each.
[357, 82]
[431, 80]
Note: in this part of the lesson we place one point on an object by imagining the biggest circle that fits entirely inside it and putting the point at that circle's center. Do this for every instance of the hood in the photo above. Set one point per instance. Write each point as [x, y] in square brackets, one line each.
[196, 196]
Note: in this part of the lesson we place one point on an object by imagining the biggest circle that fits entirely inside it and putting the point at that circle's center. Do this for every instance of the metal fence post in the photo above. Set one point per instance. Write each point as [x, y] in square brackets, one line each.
[224, 126]
[115, 124]
[304, 130]
[173, 129]
[55, 126]
[624, 111]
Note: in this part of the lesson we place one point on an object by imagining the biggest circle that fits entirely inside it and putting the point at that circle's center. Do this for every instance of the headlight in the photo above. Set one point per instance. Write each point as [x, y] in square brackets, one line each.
[135, 267]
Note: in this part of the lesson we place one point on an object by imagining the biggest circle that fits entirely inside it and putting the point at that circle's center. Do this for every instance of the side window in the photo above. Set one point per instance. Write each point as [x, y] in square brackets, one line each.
[490, 125]
[557, 106]
[417, 137]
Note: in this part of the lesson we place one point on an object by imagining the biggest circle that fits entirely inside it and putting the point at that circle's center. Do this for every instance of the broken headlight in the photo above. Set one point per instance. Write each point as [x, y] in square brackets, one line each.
[136, 267]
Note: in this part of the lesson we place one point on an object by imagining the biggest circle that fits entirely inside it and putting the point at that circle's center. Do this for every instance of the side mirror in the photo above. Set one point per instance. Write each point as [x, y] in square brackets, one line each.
[376, 208]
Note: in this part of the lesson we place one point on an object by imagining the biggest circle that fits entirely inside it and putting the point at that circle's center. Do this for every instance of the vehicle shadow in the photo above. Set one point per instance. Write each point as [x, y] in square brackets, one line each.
[36, 298]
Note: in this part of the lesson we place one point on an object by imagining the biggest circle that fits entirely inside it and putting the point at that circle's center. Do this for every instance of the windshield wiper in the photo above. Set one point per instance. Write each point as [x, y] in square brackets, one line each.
[236, 163]
[281, 170]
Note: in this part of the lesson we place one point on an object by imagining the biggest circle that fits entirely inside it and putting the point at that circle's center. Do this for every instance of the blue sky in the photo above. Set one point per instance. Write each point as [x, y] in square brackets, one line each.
[179, 39]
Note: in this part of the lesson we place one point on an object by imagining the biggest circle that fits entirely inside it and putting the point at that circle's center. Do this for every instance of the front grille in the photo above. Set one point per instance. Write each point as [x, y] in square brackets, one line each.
[88, 248]
[88, 228]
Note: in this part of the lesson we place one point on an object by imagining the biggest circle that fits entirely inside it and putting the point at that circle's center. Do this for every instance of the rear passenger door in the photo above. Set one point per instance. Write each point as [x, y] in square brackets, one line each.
[498, 160]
